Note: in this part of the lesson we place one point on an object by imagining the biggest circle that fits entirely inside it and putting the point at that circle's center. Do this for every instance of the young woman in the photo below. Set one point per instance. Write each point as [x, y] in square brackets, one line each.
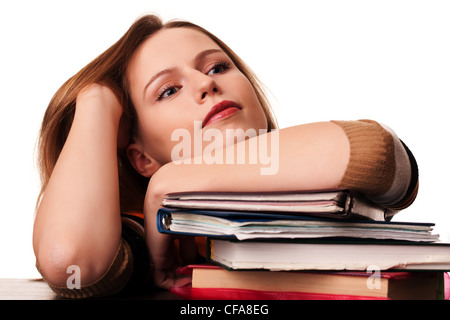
[107, 150]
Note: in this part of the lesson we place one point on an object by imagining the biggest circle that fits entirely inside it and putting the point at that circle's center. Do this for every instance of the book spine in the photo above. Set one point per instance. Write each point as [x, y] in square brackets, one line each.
[446, 286]
[209, 249]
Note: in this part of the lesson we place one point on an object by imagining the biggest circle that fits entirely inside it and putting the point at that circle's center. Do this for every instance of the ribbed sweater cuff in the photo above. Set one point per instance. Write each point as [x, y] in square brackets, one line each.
[371, 167]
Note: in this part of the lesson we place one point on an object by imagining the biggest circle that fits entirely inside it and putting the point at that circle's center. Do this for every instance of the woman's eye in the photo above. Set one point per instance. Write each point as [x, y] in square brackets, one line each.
[166, 92]
[219, 68]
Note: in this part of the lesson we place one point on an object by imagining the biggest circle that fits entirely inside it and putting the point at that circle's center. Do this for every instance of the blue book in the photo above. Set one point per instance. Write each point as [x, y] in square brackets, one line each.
[247, 225]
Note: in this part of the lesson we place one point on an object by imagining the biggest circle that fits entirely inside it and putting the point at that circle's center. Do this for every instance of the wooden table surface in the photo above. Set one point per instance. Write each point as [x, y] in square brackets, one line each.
[37, 289]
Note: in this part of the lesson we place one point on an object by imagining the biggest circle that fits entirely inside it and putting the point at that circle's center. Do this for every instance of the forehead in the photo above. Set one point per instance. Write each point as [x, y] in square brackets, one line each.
[183, 39]
[168, 48]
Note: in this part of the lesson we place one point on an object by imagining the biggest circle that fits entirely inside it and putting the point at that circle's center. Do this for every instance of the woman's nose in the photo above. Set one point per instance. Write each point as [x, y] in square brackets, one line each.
[206, 86]
[204, 94]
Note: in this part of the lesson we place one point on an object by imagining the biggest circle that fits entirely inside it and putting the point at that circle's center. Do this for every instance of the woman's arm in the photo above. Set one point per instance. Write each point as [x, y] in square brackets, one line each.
[78, 220]
[360, 155]
[312, 156]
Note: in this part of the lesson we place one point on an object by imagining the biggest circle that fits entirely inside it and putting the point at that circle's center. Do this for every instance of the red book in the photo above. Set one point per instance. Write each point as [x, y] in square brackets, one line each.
[189, 293]
[215, 283]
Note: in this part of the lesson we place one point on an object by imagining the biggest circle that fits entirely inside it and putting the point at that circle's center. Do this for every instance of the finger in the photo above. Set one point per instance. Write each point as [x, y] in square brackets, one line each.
[163, 278]
[182, 281]
[168, 278]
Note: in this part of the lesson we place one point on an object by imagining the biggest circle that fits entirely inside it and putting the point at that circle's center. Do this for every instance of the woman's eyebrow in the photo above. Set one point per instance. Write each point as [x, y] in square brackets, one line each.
[198, 58]
[156, 76]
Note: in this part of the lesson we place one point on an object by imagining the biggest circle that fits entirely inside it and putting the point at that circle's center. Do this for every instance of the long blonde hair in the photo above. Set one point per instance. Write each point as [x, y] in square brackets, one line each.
[109, 68]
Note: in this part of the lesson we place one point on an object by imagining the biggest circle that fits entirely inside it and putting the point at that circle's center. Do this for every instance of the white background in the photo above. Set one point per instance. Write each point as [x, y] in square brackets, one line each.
[321, 60]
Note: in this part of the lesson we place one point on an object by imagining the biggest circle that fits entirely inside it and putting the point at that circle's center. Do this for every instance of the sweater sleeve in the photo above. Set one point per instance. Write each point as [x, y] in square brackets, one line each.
[380, 164]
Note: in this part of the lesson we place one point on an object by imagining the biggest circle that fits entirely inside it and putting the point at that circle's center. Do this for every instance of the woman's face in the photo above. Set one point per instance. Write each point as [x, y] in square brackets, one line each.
[180, 77]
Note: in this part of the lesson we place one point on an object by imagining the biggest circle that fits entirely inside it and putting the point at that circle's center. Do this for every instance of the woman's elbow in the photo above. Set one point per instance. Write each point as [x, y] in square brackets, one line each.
[62, 264]
[380, 165]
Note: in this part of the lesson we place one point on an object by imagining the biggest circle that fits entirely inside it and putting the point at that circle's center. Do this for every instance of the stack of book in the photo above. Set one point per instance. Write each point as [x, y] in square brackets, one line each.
[331, 244]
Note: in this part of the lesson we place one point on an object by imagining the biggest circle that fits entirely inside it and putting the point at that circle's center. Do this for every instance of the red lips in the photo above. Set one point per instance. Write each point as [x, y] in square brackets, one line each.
[219, 111]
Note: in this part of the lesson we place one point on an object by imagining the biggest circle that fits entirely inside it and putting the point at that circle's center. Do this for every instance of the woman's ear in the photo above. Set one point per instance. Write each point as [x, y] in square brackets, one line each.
[141, 161]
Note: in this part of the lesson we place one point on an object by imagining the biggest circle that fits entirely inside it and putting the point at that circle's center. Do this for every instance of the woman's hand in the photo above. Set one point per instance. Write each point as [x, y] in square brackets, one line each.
[103, 97]
[99, 95]
[166, 256]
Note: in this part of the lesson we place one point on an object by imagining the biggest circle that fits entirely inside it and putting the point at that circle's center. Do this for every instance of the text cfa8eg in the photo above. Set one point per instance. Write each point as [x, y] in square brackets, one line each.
[246, 309]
